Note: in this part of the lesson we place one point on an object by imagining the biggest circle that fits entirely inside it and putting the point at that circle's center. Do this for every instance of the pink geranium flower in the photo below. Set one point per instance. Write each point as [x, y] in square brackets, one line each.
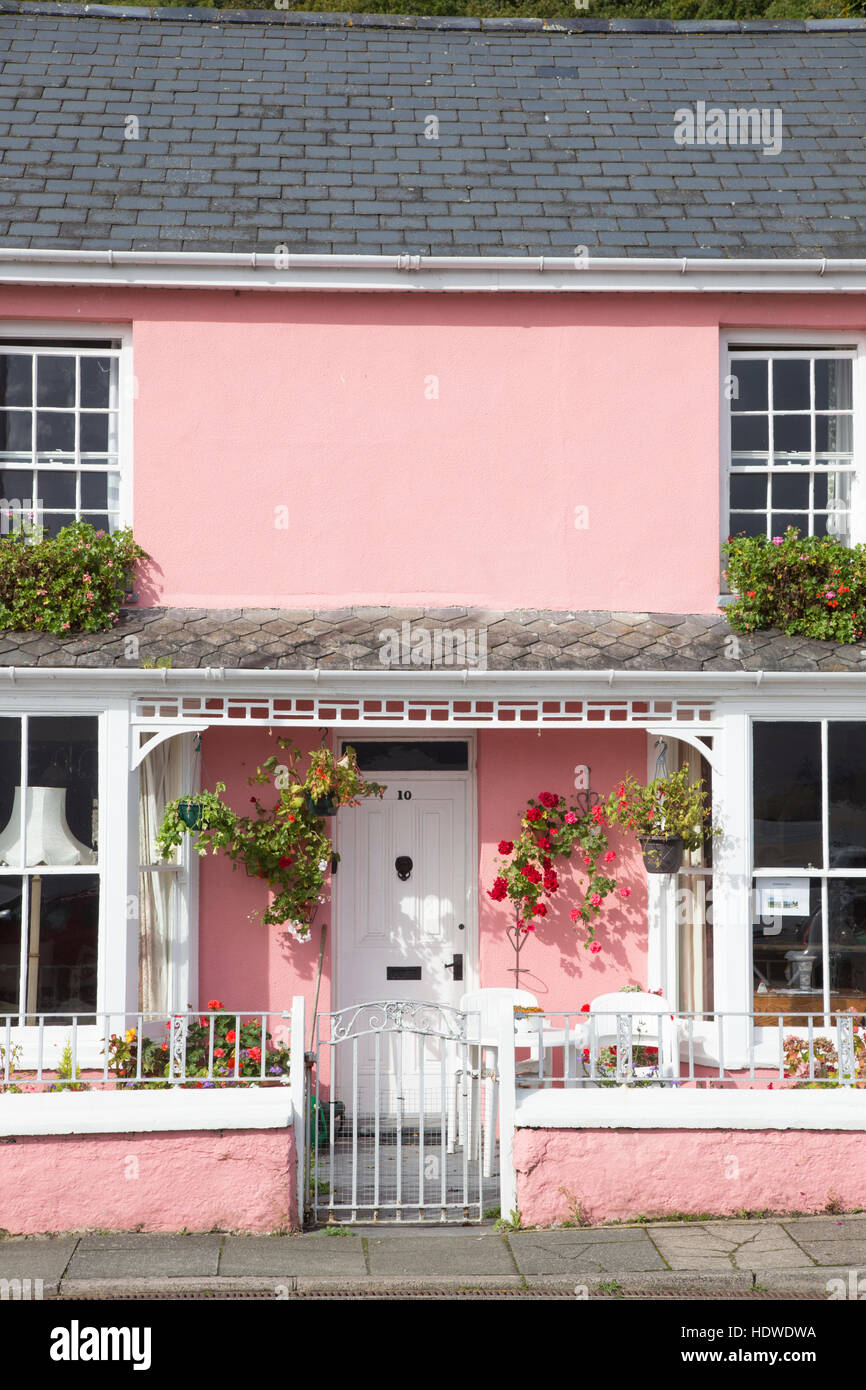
[595, 947]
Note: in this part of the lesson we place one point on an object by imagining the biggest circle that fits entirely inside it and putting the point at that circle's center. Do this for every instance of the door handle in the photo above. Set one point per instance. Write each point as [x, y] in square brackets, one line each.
[456, 965]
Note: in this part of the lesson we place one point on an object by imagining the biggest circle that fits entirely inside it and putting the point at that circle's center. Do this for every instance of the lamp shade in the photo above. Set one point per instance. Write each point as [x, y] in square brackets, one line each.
[49, 839]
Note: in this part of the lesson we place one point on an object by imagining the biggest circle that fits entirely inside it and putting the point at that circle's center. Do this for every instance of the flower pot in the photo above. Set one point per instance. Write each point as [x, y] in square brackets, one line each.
[662, 854]
[190, 813]
[321, 805]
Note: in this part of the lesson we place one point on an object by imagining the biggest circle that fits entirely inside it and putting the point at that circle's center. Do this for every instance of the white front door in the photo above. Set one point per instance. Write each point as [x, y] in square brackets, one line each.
[403, 928]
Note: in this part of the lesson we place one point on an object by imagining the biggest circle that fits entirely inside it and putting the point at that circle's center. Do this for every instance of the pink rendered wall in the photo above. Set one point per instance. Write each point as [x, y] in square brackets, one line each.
[558, 969]
[618, 1174]
[200, 1180]
[247, 965]
[247, 402]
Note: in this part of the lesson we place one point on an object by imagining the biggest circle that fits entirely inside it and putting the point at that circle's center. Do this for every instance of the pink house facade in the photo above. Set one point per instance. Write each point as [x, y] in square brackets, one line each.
[455, 500]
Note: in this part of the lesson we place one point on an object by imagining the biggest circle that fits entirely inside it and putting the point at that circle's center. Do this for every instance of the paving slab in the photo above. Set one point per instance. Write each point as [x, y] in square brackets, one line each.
[722, 1245]
[826, 1228]
[294, 1255]
[39, 1257]
[584, 1252]
[132, 1255]
[453, 1253]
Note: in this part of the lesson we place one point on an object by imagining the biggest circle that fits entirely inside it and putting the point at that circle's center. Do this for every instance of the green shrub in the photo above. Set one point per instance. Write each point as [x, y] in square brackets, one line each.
[75, 581]
[811, 587]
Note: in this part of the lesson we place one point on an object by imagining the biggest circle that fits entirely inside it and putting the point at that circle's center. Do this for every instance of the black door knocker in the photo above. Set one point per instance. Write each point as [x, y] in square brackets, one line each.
[403, 865]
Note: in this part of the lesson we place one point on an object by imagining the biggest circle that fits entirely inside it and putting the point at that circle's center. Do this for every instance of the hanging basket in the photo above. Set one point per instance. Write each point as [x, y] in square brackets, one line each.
[321, 805]
[662, 854]
[190, 813]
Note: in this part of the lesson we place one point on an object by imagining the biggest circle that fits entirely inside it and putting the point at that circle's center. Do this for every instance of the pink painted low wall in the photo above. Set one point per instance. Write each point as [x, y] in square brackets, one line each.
[619, 1174]
[200, 1180]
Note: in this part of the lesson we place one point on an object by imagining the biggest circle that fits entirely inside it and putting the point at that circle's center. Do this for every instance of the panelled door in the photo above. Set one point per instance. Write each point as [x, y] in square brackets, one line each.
[402, 930]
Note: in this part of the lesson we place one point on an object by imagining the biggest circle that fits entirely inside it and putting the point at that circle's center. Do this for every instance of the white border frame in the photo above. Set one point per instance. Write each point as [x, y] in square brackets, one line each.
[420, 734]
[121, 333]
[824, 340]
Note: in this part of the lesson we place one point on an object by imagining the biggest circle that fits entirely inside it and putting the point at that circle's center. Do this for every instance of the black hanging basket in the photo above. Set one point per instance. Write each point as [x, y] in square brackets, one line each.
[190, 813]
[662, 854]
[322, 805]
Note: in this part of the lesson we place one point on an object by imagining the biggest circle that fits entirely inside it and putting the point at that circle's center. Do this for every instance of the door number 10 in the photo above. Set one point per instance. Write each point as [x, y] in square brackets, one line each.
[404, 796]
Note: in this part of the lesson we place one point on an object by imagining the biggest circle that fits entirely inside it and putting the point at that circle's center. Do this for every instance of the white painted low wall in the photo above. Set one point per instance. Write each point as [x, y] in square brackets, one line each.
[588, 1107]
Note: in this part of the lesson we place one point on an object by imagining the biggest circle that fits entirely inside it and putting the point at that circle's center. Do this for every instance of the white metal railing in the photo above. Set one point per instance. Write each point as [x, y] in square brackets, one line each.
[727, 1049]
[203, 1048]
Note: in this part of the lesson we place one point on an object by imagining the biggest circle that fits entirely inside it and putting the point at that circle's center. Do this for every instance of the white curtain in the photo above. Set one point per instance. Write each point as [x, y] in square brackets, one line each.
[161, 773]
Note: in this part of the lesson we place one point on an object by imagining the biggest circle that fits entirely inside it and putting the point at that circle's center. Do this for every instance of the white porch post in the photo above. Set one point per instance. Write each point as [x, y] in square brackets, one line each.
[297, 1090]
[507, 1110]
[732, 915]
[118, 853]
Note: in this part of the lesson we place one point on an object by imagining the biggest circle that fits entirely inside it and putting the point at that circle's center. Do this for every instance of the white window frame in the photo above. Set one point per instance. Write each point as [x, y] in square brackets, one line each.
[822, 873]
[44, 335]
[803, 340]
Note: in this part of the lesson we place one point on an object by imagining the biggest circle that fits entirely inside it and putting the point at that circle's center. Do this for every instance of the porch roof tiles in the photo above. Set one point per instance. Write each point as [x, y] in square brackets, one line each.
[355, 639]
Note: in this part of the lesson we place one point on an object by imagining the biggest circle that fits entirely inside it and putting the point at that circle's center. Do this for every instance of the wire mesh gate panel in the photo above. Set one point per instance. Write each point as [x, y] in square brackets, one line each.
[401, 1116]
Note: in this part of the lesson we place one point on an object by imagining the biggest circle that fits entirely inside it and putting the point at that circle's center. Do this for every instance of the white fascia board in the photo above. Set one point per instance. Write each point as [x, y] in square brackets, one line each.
[144, 1112]
[467, 274]
[350, 684]
[670, 1107]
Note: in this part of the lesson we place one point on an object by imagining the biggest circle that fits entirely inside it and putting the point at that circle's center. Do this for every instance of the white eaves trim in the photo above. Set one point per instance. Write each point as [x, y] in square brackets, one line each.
[145, 1112]
[669, 1107]
[547, 274]
[351, 684]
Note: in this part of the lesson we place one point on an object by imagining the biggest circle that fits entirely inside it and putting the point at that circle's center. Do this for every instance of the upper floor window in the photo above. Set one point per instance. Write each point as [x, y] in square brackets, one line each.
[791, 442]
[60, 430]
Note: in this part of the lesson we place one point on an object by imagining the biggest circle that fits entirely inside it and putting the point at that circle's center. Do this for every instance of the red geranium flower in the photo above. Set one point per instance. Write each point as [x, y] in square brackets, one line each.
[231, 1035]
[214, 1004]
[549, 799]
[505, 846]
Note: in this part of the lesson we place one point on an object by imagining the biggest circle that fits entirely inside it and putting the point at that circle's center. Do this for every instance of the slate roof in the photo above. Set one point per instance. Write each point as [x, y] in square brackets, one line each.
[351, 639]
[262, 128]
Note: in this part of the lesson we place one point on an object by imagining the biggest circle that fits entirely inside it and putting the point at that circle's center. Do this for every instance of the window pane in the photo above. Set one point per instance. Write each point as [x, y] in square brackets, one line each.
[57, 489]
[846, 772]
[10, 777]
[787, 795]
[833, 384]
[847, 907]
[16, 482]
[442, 755]
[748, 524]
[791, 384]
[749, 432]
[94, 490]
[64, 922]
[98, 381]
[791, 491]
[780, 521]
[10, 943]
[836, 524]
[62, 772]
[751, 378]
[834, 432]
[16, 379]
[55, 381]
[55, 433]
[15, 427]
[94, 434]
[786, 955]
[748, 490]
[792, 434]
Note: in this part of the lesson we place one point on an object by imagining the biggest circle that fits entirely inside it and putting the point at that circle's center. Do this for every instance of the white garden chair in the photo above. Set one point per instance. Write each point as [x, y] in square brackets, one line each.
[652, 1025]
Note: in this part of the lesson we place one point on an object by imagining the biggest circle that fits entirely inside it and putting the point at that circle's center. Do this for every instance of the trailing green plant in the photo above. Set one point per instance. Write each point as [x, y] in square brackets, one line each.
[218, 1049]
[74, 581]
[67, 1076]
[663, 808]
[286, 843]
[810, 586]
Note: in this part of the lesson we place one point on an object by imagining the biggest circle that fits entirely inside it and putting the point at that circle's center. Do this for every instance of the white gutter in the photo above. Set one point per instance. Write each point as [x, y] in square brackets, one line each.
[351, 684]
[546, 274]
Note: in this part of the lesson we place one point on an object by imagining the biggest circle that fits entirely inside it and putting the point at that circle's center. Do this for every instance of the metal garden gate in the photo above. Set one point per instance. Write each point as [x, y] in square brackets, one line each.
[401, 1116]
